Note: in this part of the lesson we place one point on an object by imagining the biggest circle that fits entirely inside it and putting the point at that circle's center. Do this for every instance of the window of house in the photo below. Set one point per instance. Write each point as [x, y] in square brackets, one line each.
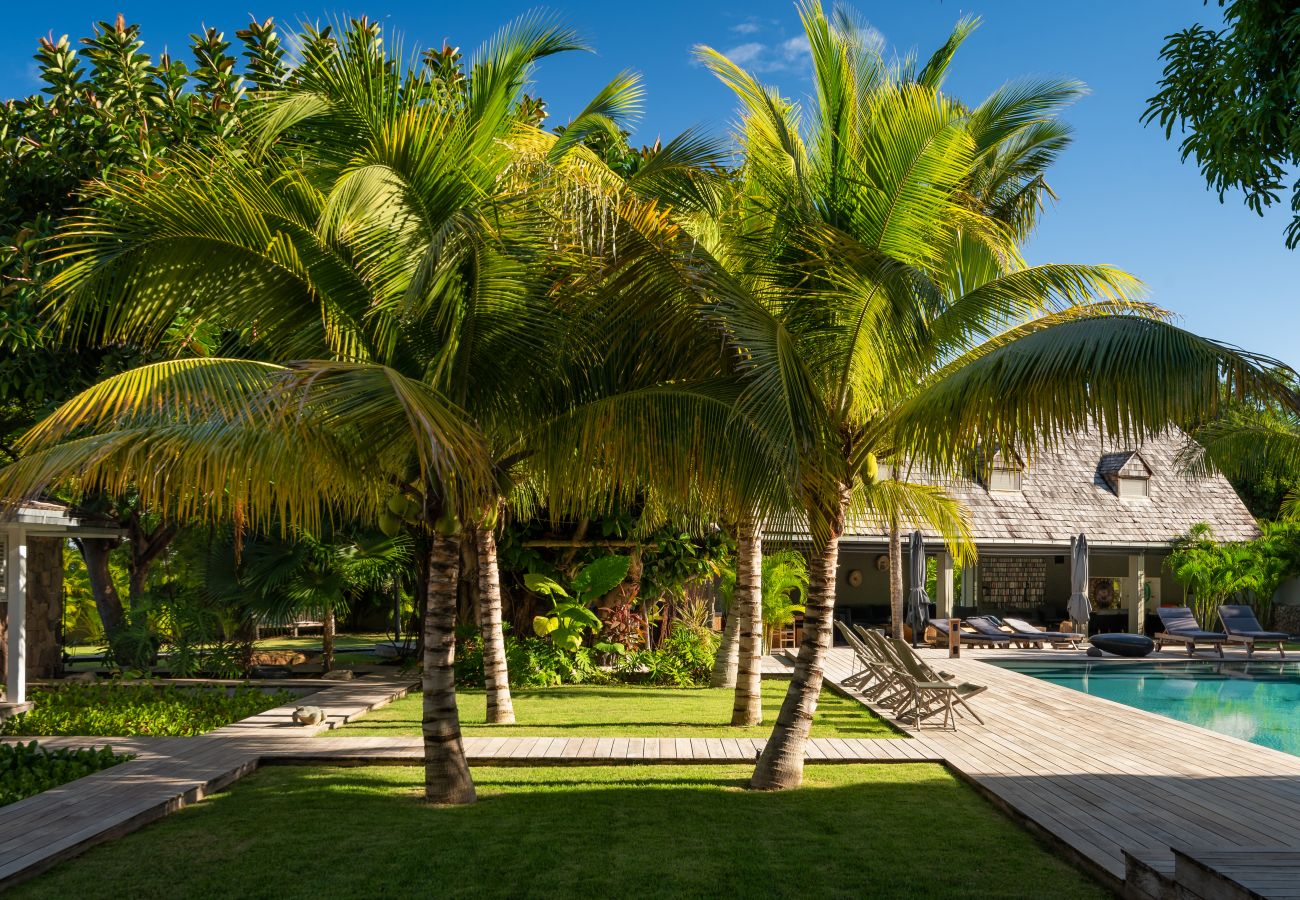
[1131, 488]
[1127, 473]
[1006, 472]
[1004, 480]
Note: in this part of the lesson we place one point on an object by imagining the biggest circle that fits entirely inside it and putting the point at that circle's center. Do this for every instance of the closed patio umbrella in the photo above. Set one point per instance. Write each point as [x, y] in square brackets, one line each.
[918, 601]
[1079, 608]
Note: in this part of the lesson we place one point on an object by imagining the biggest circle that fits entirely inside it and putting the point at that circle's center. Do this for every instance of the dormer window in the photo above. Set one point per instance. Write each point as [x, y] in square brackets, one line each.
[1127, 473]
[1006, 472]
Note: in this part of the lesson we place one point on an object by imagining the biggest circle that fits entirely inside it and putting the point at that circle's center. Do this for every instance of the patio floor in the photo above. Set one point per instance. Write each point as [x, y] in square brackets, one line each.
[1102, 778]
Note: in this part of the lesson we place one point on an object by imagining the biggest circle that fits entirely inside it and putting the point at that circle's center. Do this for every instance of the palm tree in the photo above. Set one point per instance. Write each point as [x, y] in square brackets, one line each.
[785, 581]
[379, 216]
[281, 580]
[396, 220]
[1252, 442]
[897, 318]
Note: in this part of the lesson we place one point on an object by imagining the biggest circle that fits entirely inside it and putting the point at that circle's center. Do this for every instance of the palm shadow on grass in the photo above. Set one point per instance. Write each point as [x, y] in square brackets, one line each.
[633, 711]
[664, 831]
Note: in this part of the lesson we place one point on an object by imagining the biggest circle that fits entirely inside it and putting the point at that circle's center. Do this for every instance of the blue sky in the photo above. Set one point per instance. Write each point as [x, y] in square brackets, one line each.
[1125, 198]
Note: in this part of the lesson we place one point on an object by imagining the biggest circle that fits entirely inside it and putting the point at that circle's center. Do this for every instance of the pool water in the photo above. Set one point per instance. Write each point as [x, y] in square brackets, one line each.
[1255, 701]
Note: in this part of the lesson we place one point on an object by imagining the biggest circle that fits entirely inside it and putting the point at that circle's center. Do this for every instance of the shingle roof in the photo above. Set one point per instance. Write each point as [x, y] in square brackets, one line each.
[1065, 491]
[1126, 463]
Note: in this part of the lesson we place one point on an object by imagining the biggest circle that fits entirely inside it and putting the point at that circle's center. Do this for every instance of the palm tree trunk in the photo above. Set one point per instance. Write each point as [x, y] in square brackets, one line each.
[780, 765]
[446, 773]
[500, 709]
[728, 659]
[747, 606]
[895, 580]
[327, 640]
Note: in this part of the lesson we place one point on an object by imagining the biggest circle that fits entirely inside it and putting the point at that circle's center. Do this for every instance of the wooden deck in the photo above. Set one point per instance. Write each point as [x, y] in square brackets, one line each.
[1100, 778]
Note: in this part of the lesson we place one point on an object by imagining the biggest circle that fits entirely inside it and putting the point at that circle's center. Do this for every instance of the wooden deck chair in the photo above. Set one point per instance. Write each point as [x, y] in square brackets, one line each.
[1244, 628]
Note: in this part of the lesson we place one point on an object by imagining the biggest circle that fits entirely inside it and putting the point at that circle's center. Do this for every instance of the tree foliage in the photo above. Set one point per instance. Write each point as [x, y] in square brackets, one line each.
[1234, 96]
[1249, 572]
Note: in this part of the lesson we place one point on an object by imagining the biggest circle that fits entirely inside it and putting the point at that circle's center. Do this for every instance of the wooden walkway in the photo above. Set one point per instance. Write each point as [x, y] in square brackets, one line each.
[167, 774]
[1101, 778]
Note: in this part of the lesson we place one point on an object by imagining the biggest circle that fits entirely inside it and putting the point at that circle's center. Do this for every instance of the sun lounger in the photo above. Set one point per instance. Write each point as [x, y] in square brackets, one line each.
[1055, 638]
[930, 693]
[1244, 628]
[874, 678]
[970, 638]
[875, 637]
[989, 628]
[1179, 626]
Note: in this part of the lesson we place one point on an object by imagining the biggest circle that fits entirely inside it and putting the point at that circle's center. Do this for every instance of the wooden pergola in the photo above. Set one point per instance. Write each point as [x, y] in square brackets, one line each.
[32, 521]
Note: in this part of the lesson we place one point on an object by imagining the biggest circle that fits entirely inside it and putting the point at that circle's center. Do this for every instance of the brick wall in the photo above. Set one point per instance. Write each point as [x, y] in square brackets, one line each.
[1012, 582]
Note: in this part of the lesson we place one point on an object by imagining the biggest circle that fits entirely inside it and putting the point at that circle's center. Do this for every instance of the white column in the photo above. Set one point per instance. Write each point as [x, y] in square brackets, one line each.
[16, 594]
[943, 586]
[1134, 590]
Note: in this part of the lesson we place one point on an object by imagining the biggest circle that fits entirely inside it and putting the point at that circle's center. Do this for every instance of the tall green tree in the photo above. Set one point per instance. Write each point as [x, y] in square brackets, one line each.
[377, 220]
[105, 106]
[897, 319]
[1233, 94]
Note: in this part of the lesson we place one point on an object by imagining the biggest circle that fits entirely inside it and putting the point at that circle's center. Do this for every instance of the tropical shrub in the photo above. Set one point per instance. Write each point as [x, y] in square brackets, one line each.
[622, 627]
[531, 662]
[570, 619]
[27, 769]
[683, 659]
[1214, 573]
[785, 582]
[138, 709]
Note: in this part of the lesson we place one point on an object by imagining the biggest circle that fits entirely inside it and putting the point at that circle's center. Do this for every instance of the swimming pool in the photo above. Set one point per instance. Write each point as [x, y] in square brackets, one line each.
[1255, 701]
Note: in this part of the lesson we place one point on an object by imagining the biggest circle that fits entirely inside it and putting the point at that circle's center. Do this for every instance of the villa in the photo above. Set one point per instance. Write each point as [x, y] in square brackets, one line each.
[1130, 502]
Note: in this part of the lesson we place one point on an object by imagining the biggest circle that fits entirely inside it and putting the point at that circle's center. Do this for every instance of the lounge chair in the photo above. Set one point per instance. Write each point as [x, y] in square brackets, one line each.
[1055, 638]
[988, 627]
[1244, 628]
[874, 638]
[873, 678]
[930, 693]
[1179, 626]
[970, 638]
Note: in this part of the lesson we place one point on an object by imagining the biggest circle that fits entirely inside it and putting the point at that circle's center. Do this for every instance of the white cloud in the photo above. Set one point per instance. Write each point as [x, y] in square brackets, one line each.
[784, 54]
[795, 48]
[744, 54]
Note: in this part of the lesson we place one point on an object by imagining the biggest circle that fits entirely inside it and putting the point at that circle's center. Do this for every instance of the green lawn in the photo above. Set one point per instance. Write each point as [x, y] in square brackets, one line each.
[312, 641]
[625, 711]
[897, 830]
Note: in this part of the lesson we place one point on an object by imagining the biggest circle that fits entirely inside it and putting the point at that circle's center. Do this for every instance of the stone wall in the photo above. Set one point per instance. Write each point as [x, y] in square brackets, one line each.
[44, 606]
[1012, 582]
[44, 609]
[1286, 618]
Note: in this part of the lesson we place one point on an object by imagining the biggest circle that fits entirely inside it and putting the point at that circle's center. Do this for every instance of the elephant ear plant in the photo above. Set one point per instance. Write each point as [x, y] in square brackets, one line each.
[570, 616]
